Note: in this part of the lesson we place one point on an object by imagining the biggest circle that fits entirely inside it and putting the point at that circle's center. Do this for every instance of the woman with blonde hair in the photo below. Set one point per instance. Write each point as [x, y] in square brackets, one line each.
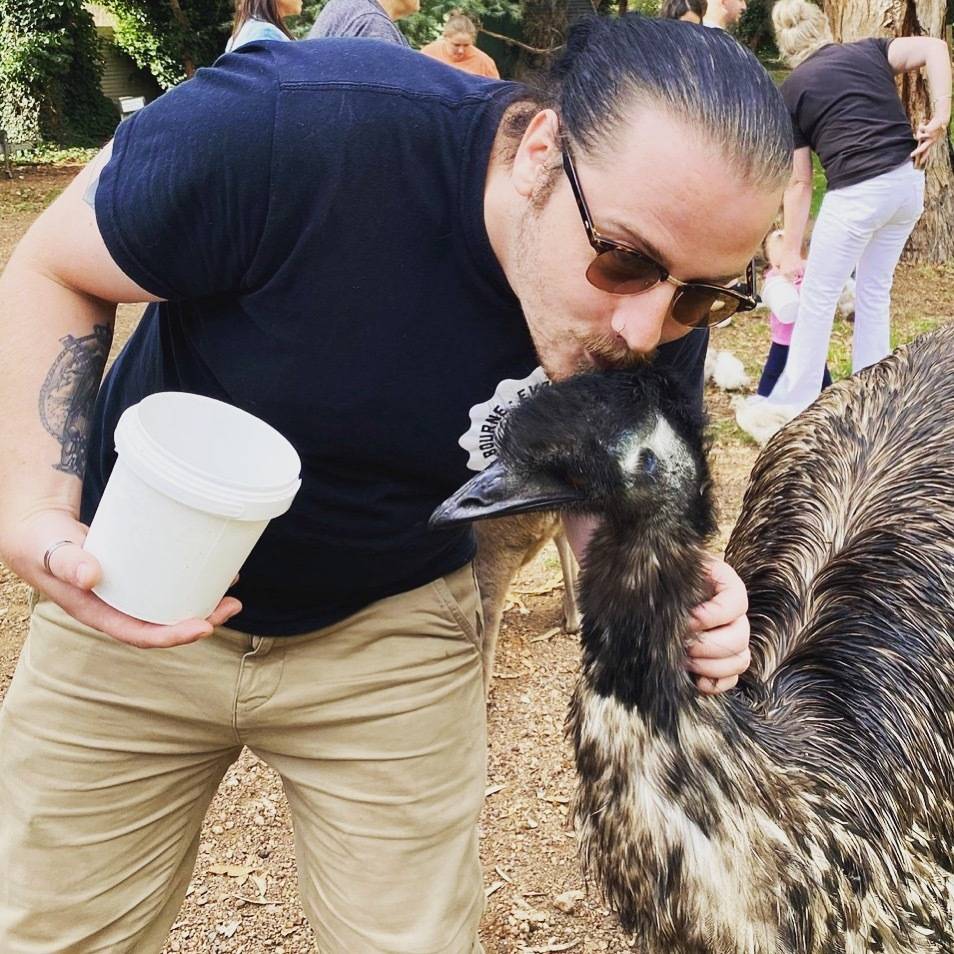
[845, 108]
[456, 47]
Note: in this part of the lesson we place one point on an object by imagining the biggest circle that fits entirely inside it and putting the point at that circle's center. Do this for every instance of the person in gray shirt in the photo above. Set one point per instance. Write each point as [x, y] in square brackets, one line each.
[363, 18]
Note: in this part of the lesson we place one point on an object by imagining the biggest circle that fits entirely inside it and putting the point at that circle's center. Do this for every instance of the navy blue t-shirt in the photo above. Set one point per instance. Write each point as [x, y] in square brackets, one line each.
[313, 214]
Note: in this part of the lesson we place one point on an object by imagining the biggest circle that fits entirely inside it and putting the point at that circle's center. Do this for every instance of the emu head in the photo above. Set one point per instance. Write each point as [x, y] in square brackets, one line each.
[616, 444]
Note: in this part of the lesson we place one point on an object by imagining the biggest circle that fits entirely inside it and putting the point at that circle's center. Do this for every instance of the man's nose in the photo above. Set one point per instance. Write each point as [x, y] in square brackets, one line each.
[639, 319]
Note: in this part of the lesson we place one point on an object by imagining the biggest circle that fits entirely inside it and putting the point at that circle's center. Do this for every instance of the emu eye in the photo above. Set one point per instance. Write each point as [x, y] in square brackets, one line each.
[575, 481]
[648, 462]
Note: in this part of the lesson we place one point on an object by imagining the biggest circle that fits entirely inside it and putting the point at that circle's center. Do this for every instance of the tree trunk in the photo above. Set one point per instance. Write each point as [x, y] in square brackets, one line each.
[182, 21]
[933, 239]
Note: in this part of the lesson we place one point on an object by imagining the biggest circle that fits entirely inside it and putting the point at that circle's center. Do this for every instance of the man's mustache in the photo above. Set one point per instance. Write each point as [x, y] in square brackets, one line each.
[610, 351]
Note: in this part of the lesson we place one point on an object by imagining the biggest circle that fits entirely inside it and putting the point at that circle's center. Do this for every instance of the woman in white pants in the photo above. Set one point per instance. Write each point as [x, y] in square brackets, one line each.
[845, 107]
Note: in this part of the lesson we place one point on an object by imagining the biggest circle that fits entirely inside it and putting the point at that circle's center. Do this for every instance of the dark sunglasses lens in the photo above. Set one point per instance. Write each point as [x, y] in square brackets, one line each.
[622, 273]
[700, 307]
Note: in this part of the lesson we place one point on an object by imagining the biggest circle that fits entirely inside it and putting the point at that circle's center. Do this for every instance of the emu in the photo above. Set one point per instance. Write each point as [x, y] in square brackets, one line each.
[811, 810]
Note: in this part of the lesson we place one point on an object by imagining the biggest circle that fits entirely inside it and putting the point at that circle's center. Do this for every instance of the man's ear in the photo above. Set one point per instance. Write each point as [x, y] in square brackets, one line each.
[540, 143]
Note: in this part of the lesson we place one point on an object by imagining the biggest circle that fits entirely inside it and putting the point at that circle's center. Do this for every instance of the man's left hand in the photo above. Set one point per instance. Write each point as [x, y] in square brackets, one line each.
[720, 651]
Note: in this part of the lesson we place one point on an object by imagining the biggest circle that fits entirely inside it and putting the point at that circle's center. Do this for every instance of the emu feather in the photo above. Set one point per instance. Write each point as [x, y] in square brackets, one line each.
[811, 811]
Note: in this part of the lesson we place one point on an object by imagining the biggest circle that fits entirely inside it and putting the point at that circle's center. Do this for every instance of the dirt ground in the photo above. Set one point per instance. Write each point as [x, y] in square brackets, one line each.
[243, 897]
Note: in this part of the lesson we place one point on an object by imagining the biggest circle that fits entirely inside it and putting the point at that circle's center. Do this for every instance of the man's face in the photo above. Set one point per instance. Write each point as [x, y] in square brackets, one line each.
[405, 8]
[733, 11]
[658, 188]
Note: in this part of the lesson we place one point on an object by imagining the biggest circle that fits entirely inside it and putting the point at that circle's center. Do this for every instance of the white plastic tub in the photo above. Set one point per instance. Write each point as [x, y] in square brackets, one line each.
[194, 486]
[781, 296]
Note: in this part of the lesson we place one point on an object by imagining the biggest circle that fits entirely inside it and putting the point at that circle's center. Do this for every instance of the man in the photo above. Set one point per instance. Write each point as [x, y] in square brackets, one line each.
[405, 246]
[367, 18]
[724, 14]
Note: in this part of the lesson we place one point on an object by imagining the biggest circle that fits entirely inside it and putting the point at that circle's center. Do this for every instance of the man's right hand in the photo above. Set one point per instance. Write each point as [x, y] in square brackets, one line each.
[73, 573]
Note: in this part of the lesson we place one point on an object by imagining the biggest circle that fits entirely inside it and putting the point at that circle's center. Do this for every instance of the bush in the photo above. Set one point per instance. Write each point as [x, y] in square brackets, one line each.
[51, 63]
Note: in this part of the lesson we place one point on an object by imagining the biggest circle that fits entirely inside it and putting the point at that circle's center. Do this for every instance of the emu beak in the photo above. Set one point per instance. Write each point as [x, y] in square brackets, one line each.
[495, 492]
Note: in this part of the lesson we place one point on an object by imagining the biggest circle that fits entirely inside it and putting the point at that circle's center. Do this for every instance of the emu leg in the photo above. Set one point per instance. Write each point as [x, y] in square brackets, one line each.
[572, 621]
[505, 545]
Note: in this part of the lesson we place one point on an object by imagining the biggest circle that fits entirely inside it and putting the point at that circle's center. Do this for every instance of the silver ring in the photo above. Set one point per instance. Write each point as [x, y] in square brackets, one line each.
[50, 551]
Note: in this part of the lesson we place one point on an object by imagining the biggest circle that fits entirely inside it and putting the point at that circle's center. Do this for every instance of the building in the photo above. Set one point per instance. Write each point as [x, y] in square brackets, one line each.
[122, 79]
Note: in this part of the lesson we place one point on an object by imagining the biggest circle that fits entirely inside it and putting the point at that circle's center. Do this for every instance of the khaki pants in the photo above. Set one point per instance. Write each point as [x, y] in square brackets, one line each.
[110, 755]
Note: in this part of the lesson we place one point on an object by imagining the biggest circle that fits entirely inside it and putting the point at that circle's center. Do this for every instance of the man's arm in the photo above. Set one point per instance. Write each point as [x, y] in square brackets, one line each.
[58, 299]
[796, 205]
[908, 53]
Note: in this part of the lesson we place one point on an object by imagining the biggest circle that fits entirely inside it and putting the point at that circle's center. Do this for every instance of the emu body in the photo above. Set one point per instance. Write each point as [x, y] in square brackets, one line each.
[811, 811]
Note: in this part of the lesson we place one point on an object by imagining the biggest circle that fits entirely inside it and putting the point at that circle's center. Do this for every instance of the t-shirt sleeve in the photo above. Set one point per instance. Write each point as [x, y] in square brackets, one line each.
[183, 201]
[790, 94]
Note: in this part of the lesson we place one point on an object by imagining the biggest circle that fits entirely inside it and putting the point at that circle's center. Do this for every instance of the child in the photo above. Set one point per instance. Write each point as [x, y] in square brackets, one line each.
[783, 320]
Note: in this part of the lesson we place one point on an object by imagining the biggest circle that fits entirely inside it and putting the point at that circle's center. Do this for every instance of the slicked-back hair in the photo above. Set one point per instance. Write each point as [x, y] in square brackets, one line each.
[612, 66]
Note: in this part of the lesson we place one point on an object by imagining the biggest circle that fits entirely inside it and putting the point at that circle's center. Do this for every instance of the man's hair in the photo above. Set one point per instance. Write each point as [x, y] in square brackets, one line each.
[801, 28]
[677, 9]
[611, 66]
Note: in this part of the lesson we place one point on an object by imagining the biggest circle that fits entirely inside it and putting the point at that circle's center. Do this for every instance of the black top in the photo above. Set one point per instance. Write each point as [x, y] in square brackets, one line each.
[313, 212]
[845, 105]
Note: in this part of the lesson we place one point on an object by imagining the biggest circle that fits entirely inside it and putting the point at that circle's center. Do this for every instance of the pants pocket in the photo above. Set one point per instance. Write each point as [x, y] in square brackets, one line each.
[459, 595]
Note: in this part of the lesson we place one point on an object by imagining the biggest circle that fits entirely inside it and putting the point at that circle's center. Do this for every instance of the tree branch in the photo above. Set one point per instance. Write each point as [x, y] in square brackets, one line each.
[523, 46]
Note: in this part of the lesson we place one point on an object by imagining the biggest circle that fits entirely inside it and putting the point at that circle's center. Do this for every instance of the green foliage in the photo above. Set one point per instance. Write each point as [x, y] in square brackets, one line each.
[50, 154]
[50, 68]
[649, 8]
[423, 27]
[171, 40]
[755, 28]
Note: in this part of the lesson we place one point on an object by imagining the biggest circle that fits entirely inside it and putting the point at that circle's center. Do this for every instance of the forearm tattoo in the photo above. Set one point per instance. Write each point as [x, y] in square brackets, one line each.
[69, 393]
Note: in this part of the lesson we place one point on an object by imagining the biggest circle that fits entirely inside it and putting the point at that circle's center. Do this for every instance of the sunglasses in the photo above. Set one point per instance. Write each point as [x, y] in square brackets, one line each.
[621, 270]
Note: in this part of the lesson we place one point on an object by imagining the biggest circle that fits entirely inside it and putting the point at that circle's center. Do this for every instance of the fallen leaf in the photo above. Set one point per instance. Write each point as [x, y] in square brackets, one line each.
[260, 882]
[227, 930]
[567, 901]
[549, 634]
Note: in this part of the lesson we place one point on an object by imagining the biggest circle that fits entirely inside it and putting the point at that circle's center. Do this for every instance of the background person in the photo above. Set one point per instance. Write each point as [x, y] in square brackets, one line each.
[305, 276]
[692, 11]
[723, 14]
[456, 47]
[780, 327]
[368, 18]
[845, 107]
[261, 20]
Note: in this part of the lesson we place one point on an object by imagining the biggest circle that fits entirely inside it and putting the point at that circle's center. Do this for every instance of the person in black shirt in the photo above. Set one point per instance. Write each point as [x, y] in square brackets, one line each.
[845, 108]
[373, 254]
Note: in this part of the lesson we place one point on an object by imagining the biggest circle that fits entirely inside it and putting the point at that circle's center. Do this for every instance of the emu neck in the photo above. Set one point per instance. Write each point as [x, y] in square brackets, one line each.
[638, 587]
